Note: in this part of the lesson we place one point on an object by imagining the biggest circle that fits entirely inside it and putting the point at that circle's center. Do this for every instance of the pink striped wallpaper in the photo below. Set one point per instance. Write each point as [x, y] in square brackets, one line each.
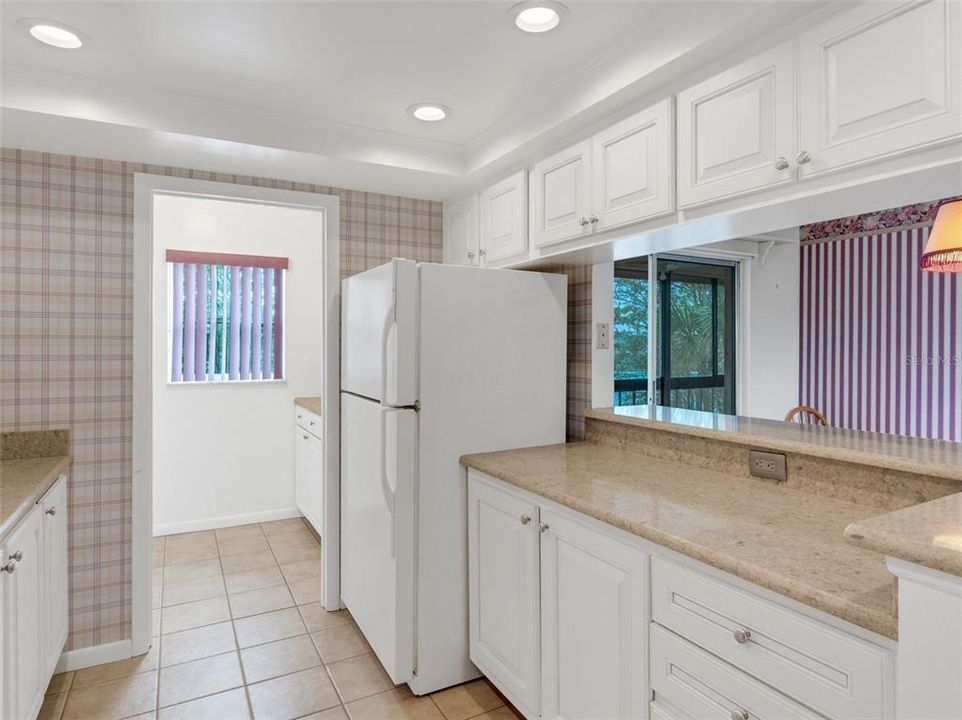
[880, 341]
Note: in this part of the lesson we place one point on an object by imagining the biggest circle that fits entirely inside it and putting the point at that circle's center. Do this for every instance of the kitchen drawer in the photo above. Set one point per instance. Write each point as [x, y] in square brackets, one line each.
[307, 420]
[702, 686]
[831, 671]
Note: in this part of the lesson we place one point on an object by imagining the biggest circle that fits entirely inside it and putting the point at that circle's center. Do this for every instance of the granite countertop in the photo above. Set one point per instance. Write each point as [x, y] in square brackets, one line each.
[929, 534]
[936, 458]
[22, 483]
[309, 403]
[787, 541]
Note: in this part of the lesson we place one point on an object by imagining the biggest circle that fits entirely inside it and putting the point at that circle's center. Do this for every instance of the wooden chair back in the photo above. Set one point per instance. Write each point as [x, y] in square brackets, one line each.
[804, 413]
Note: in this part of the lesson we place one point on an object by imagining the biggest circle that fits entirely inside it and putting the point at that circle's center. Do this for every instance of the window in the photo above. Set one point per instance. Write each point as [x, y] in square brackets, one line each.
[226, 317]
[694, 344]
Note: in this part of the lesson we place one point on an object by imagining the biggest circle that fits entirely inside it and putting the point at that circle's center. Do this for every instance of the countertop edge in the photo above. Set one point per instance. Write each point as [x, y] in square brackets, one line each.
[897, 545]
[883, 624]
[311, 403]
[861, 457]
[11, 521]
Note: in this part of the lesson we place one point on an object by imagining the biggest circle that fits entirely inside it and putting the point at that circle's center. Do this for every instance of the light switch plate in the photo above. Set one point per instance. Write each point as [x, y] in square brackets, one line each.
[604, 336]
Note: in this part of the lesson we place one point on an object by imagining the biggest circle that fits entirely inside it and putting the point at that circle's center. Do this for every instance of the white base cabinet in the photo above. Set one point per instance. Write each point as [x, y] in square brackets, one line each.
[503, 564]
[558, 609]
[594, 613]
[571, 618]
[34, 610]
[309, 467]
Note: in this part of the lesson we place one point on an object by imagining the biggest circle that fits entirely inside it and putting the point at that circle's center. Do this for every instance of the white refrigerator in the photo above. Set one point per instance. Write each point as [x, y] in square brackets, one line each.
[436, 361]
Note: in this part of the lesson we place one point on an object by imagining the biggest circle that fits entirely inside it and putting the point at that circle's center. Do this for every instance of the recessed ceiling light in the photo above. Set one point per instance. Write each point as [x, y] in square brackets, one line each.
[538, 16]
[55, 35]
[429, 112]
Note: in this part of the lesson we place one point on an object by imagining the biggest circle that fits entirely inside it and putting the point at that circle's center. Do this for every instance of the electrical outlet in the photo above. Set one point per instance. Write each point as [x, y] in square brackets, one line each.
[767, 465]
[604, 336]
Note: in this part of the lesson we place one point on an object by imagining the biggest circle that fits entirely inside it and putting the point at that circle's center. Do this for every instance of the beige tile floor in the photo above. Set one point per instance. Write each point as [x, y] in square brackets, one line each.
[239, 633]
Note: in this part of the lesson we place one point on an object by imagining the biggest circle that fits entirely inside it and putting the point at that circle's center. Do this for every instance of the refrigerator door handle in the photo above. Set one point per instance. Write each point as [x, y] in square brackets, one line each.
[385, 485]
[389, 321]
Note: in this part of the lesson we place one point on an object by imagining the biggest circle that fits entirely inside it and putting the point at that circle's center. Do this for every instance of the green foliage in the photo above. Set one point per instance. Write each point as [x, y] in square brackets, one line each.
[631, 327]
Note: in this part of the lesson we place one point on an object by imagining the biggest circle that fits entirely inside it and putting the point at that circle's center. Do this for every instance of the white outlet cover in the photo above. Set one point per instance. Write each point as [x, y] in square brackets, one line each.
[604, 336]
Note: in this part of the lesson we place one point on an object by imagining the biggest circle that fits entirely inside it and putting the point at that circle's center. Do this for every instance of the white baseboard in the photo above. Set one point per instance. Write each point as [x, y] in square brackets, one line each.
[95, 655]
[225, 521]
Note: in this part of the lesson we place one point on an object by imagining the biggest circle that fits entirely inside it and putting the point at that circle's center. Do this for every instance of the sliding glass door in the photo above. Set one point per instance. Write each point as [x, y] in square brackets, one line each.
[694, 343]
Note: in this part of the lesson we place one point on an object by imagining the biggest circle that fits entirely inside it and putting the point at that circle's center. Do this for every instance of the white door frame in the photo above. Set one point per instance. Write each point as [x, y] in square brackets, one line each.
[146, 187]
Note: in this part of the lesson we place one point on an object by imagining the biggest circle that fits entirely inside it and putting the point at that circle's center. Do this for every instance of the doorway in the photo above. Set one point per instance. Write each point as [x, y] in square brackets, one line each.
[155, 353]
[675, 346]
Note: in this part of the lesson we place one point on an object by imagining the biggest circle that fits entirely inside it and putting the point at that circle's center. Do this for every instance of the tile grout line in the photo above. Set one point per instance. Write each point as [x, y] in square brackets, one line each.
[233, 628]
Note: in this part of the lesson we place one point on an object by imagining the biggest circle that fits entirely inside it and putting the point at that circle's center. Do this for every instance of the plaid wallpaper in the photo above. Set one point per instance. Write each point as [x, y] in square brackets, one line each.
[66, 336]
[579, 346]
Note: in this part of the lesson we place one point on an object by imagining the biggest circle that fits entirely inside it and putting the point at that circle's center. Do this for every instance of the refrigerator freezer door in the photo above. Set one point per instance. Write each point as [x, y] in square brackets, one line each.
[379, 333]
[378, 452]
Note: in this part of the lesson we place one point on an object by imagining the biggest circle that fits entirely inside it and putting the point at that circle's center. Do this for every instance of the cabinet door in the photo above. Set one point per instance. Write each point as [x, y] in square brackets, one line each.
[504, 219]
[54, 507]
[22, 619]
[594, 611]
[734, 128]
[561, 196]
[633, 164]
[878, 81]
[309, 477]
[461, 232]
[503, 592]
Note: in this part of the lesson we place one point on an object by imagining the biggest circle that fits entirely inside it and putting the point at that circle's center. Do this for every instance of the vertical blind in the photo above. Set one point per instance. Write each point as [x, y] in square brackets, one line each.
[227, 317]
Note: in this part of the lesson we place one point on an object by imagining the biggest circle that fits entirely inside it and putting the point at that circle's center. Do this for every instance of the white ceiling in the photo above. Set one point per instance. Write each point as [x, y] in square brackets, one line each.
[332, 80]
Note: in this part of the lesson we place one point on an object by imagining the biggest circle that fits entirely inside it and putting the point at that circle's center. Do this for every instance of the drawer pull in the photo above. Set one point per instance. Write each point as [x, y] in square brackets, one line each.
[525, 519]
[740, 714]
[742, 635]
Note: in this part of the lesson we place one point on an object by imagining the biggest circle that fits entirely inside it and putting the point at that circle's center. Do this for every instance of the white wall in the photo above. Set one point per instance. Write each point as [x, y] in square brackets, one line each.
[224, 453]
[768, 376]
[602, 311]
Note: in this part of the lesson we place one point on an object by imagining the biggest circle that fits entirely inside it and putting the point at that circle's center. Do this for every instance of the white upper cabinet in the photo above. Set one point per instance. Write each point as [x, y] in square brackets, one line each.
[879, 80]
[461, 232]
[561, 196]
[504, 219]
[633, 169]
[736, 130]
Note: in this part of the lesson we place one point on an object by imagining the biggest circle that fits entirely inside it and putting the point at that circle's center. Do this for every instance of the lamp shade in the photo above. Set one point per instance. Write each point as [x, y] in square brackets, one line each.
[943, 251]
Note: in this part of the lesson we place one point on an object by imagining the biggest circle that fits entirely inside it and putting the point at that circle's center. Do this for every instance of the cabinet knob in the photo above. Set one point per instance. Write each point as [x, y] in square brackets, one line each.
[742, 635]
[305, 437]
[9, 568]
[740, 714]
[803, 157]
[593, 219]
[17, 556]
[583, 221]
[542, 528]
[470, 255]
[52, 511]
[782, 163]
[525, 519]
